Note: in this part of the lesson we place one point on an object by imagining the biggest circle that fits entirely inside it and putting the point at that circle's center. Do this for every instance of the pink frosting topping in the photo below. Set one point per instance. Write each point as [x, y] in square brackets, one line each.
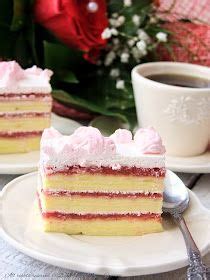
[84, 141]
[50, 133]
[149, 141]
[88, 139]
[46, 73]
[11, 72]
[121, 136]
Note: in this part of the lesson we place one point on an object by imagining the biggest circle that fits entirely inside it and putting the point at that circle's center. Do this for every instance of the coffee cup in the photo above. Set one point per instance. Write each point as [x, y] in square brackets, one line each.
[180, 114]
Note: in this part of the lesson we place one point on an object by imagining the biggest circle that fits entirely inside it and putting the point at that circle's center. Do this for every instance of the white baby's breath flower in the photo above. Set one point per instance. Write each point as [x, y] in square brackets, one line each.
[142, 35]
[136, 20]
[161, 36]
[120, 20]
[142, 47]
[153, 20]
[120, 84]
[113, 22]
[131, 43]
[127, 3]
[117, 22]
[109, 58]
[114, 31]
[124, 57]
[115, 15]
[116, 41]
[136, 54]
[115, 73]
[106, 34]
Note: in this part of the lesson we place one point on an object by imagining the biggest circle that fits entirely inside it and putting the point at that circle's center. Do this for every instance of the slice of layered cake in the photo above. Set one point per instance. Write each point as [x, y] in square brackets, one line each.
[25, 107]
[95, 185]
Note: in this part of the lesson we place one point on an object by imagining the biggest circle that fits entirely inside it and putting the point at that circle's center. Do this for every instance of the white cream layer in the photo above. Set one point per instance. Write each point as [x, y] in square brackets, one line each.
[126, 155]
[30, 84]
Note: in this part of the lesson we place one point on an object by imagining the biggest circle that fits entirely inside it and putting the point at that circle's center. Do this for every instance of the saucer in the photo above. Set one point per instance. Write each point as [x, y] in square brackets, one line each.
[197, 164]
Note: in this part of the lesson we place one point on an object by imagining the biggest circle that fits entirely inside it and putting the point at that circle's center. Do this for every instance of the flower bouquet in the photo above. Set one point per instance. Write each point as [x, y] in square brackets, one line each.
[91, 46]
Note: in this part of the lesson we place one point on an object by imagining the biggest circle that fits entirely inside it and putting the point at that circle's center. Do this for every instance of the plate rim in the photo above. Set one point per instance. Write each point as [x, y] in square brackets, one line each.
[202, 168]
[18, 169]
[91, 268]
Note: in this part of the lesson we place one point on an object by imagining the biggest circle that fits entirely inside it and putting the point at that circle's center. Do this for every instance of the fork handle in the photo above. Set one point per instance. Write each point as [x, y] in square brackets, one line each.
[196, 270]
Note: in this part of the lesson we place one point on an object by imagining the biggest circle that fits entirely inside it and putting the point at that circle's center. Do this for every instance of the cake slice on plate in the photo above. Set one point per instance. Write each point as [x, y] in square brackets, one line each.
[25, 107]
[95, 185]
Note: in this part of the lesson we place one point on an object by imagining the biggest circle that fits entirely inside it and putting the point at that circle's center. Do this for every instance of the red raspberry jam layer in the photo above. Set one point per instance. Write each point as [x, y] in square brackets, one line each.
[18, 96]
[103, 194]
[72, 216]
[20, 134]
[24, 115]
[123, 170]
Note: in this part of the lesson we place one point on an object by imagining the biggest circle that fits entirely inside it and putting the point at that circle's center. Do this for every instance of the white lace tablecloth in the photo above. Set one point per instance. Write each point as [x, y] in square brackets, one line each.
[15, 265]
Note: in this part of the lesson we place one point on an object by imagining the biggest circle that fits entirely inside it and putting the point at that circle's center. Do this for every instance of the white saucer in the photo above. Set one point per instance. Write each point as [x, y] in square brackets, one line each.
[198, 164]
[124, 256]
[28, 162]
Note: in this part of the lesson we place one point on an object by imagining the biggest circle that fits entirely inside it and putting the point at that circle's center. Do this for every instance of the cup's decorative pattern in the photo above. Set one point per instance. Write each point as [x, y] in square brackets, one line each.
[188, 110]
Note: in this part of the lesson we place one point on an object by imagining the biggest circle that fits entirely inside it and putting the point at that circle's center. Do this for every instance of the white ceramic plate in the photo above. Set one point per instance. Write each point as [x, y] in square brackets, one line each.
[28, 162]
[198, 164]
[125, 256]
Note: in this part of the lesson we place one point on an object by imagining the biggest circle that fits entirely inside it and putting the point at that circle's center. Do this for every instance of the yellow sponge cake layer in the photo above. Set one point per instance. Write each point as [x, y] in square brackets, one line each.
[100, 227]
[31, 106]
[24, 124]
[19, 145]
[100, 204]
[100, 182]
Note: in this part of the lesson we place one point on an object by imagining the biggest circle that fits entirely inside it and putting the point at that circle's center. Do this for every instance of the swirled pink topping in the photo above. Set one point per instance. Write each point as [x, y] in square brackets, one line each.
[84, 142]
[109, 146]
[50, 133]
[121, 136]
[149, 141]
[88, 139]
[46, 73]
[11, 72]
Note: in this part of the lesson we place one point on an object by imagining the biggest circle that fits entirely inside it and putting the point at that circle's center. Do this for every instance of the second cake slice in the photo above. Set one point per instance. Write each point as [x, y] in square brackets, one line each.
[25, 107]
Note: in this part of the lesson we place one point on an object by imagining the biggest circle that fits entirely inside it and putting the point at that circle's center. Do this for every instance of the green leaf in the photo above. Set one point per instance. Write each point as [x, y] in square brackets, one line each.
[67, 76]
[21, 51]
[78, 102]
[107, 125]
[57, 56]
[19, 14]
[7, 44]
[6, 10]
[31, 39]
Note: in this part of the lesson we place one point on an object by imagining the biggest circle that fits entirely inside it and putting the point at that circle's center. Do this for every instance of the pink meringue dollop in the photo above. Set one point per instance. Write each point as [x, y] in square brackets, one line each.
[121, 136]
[50, 133]
[11, 72]
[84, 142]
[149, 141]
[109, 146]
[34, 70]
[88, 139]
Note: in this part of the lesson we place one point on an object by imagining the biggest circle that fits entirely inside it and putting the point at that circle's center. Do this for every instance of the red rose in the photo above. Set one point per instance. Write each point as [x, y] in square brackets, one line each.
[77, 23]
[189, 42]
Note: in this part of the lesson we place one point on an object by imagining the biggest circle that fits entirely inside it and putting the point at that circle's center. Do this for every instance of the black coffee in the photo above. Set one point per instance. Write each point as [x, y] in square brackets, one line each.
[180, 80]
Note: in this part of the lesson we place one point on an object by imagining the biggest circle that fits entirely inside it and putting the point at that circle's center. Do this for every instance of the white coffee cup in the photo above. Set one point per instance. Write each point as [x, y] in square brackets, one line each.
[180, 114]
